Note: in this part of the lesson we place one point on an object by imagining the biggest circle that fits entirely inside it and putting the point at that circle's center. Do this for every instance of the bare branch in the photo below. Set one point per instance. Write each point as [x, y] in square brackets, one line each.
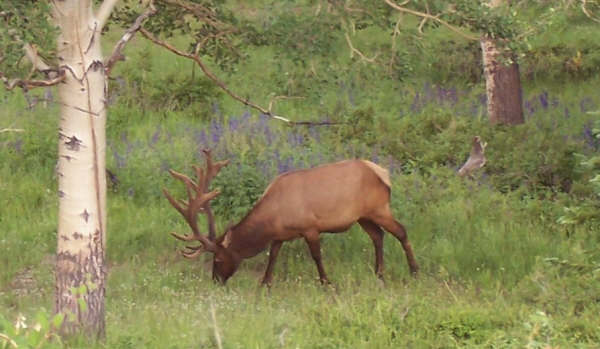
[104, 12]
[222, 85]
[587, 12]
[431, 17]
[37, 62]
[200, 12]
[27, 84]
[137, 24]
[353, 50]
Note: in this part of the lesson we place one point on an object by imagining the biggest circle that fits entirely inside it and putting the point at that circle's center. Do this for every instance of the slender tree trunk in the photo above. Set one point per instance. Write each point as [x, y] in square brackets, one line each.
[502, 81]
[80, 263]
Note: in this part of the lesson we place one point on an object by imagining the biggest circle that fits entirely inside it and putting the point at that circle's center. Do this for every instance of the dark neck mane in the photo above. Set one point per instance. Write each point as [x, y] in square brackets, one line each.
[248, 237]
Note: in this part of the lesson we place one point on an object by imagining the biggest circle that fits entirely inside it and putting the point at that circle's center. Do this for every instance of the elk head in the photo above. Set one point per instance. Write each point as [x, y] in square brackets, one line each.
[225, 262]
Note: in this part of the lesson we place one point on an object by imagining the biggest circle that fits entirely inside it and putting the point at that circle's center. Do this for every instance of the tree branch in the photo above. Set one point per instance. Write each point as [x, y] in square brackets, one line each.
[353, 50]
[27, 84]
[433, 18]
[137, 24]
[37, 61]
[222, 85]
[104, 12]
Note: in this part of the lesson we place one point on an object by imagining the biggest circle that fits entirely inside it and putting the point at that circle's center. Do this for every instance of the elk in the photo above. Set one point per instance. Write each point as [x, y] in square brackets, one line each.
[297, 204]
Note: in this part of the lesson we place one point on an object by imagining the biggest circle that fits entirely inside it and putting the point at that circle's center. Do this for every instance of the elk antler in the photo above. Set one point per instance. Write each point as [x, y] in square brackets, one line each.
[198, 201]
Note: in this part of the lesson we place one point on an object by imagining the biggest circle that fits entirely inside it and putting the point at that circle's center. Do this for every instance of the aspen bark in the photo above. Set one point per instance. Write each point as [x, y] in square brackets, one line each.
[502, 82]
[80, 264]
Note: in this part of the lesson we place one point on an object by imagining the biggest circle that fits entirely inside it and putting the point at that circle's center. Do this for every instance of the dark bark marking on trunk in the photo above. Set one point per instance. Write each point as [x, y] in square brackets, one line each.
[96, 65]
[85, 215]
[61, 194]
[77, 236]
[65, 238]
[81, 277]
[92, 39]
[73, 143]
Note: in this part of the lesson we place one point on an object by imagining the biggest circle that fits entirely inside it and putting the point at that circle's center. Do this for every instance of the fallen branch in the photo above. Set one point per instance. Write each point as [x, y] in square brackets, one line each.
[11, 130]
[476, 158]
[195, 57]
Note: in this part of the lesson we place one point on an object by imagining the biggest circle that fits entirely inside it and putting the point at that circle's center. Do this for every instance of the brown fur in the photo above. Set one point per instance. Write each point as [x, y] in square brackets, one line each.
[305, 203]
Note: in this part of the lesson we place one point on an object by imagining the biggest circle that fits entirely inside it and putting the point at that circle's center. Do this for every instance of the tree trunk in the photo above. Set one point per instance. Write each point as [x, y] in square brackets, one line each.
[502, 86]
[80, 264]
[502, 81]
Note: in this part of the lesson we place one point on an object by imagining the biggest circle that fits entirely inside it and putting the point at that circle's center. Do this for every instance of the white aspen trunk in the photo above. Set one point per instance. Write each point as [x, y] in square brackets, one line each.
[502, 82]
[80, 263]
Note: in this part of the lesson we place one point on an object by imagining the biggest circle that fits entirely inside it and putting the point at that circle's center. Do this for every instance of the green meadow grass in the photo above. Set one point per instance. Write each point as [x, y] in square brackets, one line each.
[497, 270]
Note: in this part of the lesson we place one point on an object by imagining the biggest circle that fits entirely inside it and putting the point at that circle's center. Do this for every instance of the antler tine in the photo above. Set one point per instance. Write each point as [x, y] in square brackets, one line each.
[212, 169]
[199, 198]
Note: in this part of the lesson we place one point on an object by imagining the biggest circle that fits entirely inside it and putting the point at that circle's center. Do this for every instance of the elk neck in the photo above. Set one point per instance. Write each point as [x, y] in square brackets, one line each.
[249, 237]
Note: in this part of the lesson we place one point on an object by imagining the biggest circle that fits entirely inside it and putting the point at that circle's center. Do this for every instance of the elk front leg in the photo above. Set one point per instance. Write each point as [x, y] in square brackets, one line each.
[312, 239]
[275, 246]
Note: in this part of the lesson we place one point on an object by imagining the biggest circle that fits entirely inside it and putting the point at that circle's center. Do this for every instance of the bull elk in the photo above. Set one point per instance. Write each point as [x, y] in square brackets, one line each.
[297, 204]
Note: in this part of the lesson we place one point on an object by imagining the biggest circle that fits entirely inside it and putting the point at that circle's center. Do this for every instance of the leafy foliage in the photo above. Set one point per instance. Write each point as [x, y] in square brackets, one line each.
[25, 22]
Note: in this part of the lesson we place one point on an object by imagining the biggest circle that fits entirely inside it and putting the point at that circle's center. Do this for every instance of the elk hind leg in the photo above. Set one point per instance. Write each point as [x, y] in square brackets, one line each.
[275, 246]
[376, 234]
[388, 223]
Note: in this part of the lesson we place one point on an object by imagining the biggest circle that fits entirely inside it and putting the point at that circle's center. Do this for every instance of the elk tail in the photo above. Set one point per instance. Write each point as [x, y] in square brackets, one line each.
[381, 172]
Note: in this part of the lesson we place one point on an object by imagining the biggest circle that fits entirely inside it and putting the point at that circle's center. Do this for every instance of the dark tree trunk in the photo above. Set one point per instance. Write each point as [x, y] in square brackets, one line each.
[503, 85]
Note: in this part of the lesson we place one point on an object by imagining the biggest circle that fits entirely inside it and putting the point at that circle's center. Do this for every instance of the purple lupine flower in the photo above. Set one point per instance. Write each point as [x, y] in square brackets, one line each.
[453, 95]
[415, 106]
[120, 160]
[18, 145]
[124, 137]
[374, 156]
[155, 137]
[216, 109]
[216, 131]
[201, 139]
[268, 135]
[589, 137]
[245, 117]
[529, 107]
[586, 104]
[234, 124]
[544, 99]
[482, 97]
[428, 92]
